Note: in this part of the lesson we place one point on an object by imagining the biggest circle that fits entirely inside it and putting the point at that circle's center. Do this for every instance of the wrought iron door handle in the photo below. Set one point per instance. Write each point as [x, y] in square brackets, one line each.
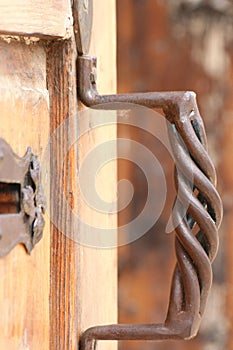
[195, 253]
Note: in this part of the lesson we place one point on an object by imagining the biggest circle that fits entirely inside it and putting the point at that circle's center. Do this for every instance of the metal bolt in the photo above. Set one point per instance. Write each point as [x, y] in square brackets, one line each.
[85, 4]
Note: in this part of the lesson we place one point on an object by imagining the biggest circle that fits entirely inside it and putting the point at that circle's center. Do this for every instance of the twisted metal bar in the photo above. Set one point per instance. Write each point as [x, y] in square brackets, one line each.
[196, 228]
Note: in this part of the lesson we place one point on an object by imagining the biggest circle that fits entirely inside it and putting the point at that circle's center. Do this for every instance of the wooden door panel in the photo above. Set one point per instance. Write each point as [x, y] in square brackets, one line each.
[97, 289]
[24, 108]
[49, 297]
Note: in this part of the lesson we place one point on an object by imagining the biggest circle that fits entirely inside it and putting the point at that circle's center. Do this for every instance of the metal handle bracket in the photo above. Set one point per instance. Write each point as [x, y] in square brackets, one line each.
[22, 202]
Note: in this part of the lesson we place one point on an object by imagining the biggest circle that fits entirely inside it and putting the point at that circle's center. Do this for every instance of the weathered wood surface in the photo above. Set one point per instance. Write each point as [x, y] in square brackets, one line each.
[83, 279]
[64, 263]
[24, 121]
[47, 299]
[52, 18]
[97, 292]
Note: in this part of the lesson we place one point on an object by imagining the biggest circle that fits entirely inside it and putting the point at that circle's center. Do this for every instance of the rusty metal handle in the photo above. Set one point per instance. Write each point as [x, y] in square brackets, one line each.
[195, 177]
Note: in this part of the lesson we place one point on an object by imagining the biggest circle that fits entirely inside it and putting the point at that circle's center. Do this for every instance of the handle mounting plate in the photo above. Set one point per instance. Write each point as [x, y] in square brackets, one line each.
[83, 15]
[22, 202]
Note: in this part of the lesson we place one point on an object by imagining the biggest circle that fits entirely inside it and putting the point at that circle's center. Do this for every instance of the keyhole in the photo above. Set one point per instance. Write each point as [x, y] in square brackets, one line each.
[9, 198]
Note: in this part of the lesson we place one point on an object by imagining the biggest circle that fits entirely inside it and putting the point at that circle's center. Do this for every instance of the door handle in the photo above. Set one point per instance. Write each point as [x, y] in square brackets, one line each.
[195, 253]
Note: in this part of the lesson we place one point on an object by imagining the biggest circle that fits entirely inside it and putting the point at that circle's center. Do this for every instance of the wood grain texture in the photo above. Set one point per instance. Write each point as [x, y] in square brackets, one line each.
[24, 288]
[64, 260]
[46, 299]
[83, 279]
[52, 18]
[98, 266]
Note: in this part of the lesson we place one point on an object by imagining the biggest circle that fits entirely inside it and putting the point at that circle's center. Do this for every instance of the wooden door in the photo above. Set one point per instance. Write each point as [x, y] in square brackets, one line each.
[49, 297]
[183, 45]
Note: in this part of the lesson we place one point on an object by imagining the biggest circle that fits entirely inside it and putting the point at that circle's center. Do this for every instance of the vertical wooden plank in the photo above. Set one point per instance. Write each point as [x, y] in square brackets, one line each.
[98, 266]
[24, 288]
[83, 279]
[64, 250]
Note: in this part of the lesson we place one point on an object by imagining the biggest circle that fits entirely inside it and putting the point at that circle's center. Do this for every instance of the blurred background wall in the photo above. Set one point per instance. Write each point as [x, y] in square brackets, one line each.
[177, 45]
